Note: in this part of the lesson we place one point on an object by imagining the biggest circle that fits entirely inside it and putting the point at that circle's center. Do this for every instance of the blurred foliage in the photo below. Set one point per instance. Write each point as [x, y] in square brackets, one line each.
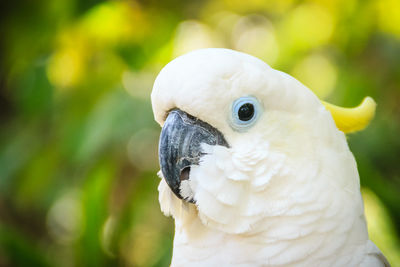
[78, 144]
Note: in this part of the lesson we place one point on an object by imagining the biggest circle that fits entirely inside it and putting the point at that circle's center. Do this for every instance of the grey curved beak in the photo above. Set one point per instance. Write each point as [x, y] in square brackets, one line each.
[180, 147]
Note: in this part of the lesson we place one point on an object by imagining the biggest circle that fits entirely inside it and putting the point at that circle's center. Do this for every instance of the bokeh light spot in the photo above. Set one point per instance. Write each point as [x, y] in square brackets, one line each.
[65, 217]
[255, 35]
[307, 26]
[389, 16]
[191, 35]
[380, 228]
[65, 67]
[318, 73]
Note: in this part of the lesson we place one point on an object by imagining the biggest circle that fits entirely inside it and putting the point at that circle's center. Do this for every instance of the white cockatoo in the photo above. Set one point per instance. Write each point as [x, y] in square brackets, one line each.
[255, 169]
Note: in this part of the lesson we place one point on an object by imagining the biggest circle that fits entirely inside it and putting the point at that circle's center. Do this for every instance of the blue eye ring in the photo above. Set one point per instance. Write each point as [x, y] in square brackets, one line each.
[245, 113]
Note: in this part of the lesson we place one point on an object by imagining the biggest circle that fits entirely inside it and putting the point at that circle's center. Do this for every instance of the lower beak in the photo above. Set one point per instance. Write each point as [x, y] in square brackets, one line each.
[180, 147]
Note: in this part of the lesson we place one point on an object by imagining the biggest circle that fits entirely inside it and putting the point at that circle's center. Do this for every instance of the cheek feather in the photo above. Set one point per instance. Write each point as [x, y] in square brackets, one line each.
[228, 183]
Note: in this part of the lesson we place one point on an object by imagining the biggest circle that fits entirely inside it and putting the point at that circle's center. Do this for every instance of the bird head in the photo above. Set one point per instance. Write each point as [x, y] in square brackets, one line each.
[241, 141]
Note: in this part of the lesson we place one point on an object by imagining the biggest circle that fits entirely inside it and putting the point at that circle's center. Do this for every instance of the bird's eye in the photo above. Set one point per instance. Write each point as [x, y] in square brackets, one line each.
[245, 112]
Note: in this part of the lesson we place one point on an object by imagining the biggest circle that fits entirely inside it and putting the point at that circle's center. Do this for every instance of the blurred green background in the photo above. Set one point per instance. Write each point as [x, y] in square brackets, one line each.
[78, 144]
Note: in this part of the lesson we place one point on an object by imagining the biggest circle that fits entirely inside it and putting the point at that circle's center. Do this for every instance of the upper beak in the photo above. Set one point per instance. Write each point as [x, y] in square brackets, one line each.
[180, 147]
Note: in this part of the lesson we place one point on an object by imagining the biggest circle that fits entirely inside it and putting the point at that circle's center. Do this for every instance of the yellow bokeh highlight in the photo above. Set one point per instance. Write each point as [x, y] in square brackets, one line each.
[380, 227]
[105, 25]
[65, 67]
[142, 245]
[106, 237]
[257, 5]
[254, 34]
[112, 22]
[318, 73]
[389, 16]
[65, 217]
[307, 26]
[191, 35]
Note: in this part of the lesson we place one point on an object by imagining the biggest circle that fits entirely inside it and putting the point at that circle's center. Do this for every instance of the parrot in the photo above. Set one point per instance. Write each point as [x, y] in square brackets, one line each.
[255, 169]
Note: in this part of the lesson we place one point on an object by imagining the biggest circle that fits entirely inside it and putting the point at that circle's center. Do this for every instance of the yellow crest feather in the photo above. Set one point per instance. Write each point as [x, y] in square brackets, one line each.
[350, 120]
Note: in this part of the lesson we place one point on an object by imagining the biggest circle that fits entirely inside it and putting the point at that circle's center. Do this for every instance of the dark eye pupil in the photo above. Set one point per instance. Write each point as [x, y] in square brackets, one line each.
[246, 112]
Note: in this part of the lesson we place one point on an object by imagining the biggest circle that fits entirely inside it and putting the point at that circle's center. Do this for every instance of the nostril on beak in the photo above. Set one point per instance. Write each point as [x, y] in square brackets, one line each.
[185, 173]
